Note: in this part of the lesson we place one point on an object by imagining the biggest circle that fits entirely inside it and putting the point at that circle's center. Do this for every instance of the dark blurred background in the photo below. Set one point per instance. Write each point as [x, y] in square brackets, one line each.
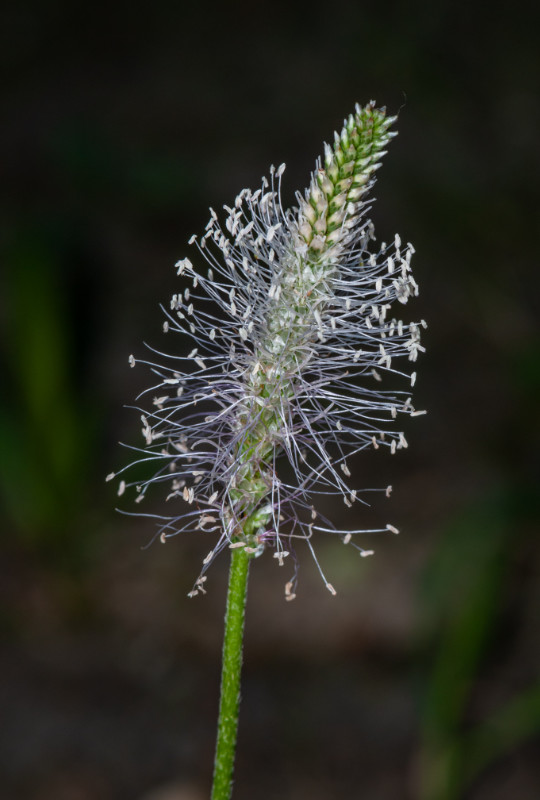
[420, 680]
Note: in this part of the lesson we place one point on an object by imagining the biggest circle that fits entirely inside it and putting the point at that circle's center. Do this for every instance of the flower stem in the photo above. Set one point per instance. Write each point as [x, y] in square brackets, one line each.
[230, 675]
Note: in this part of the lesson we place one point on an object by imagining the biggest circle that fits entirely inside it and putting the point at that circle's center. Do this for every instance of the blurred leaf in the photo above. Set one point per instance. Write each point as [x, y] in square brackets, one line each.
[462, 592]
[45, 427]
[462, 595]
[502, 732]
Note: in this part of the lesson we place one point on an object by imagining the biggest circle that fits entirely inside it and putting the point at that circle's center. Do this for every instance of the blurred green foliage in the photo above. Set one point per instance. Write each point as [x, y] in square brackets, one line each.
[463, 598]
[47, 421]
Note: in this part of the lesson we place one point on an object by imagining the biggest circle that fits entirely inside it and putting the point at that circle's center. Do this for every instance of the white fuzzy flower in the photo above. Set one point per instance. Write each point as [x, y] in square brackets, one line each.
[294, 334]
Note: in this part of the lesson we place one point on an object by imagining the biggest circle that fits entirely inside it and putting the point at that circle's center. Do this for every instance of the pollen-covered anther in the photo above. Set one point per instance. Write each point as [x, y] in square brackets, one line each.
[188, 495]
[206, 519]
[184, 264]
[289, 594]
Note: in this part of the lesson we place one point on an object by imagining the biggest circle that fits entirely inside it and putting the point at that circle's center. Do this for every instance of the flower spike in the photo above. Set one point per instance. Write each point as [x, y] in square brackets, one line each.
[294, 335]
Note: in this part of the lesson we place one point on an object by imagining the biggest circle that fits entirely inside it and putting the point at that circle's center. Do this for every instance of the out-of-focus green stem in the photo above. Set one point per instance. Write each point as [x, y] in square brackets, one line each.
[230, 675]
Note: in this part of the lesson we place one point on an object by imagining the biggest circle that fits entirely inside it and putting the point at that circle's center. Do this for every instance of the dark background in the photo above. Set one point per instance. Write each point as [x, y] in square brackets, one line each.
[419, 681]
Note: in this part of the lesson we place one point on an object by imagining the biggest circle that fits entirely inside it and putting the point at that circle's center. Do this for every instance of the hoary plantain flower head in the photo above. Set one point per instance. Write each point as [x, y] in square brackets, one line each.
[294, 334]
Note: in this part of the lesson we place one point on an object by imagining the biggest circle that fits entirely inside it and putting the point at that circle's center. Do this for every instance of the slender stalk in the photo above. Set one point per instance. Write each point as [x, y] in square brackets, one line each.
[230, 675]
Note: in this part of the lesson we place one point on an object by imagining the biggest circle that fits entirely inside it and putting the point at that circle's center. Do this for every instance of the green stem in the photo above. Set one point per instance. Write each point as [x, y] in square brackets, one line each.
[230, 675]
